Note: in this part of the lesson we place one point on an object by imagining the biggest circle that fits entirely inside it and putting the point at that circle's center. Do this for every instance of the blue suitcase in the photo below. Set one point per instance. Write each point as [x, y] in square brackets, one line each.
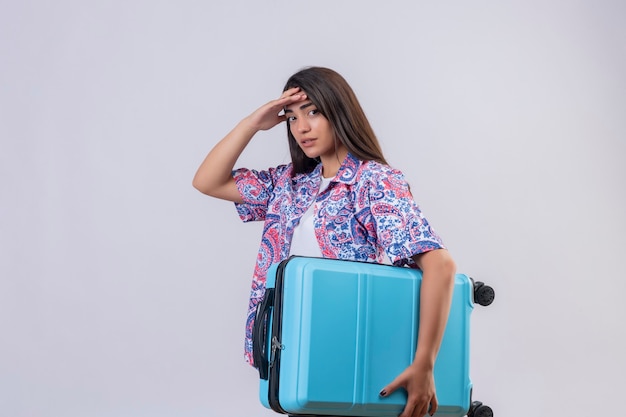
[330, 334]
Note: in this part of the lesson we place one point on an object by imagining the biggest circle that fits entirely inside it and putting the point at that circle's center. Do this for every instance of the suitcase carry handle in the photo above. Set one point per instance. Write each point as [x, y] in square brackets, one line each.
[259, 334]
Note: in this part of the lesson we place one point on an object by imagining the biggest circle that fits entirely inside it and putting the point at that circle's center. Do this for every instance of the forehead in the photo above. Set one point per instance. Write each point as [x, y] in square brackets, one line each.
[300, 105]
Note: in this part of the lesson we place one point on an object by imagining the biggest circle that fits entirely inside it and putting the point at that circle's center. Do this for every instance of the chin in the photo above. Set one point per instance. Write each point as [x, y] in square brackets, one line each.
[312, 155]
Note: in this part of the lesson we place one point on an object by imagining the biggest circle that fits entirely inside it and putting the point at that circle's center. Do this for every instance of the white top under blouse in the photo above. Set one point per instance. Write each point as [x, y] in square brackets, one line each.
[304, 242]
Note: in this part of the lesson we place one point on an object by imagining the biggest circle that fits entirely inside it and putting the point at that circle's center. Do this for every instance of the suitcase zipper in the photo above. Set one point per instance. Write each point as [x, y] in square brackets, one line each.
[277, 346]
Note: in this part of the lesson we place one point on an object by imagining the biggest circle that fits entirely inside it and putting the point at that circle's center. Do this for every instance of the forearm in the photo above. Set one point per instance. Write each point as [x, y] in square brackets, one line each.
[214, 176]
[435, 298]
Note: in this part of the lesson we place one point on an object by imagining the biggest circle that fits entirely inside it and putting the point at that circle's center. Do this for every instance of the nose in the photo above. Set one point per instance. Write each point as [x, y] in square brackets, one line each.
[302, 125]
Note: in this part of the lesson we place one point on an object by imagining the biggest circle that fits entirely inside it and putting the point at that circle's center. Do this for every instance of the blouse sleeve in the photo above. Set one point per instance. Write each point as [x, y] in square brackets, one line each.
[255, 188]
[401, 228]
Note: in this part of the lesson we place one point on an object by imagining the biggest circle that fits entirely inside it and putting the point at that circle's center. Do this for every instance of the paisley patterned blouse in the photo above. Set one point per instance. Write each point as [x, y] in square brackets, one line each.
[365, 214]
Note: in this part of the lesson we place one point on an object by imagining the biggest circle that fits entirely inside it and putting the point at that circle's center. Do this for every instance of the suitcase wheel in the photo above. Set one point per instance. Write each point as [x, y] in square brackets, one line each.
[483, 294]
[478, 409]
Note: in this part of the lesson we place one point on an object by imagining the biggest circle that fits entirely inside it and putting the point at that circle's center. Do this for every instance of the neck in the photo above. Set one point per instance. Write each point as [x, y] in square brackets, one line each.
[332, 163]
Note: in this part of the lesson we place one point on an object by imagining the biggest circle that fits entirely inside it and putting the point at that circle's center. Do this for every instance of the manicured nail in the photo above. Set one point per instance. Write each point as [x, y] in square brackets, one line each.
[383, 393]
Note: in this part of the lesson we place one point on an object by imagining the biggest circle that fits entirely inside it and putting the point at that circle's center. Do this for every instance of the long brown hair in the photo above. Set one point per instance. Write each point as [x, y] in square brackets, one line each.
[335, 100]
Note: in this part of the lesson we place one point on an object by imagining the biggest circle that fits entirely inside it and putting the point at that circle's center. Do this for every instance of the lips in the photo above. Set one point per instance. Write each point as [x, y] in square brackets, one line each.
[305, 143]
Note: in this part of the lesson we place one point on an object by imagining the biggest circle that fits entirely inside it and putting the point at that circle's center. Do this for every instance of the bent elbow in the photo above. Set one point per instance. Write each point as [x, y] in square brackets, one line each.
[227, 191]
[197, 184]
[204, 186]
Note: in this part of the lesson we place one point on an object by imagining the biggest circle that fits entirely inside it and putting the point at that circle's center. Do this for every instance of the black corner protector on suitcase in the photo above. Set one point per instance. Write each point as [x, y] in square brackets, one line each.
[259, 334]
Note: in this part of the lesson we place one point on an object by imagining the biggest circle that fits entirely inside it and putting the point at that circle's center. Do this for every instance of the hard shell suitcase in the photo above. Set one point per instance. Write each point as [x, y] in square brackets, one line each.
[330, 334]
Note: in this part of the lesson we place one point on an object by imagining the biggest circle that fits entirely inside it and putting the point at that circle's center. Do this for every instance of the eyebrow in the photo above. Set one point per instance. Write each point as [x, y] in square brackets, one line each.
[302, 107]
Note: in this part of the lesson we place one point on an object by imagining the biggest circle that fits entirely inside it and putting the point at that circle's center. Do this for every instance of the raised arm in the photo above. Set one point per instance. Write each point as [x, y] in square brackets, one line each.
[214, 176]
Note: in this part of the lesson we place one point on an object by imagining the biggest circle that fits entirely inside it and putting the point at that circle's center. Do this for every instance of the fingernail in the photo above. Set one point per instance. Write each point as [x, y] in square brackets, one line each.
[383, 393]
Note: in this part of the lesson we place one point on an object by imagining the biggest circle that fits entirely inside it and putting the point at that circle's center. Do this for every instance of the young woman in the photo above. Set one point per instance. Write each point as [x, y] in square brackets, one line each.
[338, 198]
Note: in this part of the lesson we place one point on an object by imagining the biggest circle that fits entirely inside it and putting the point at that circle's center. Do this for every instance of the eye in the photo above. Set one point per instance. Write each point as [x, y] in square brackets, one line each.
[291, 119]
[313, 112]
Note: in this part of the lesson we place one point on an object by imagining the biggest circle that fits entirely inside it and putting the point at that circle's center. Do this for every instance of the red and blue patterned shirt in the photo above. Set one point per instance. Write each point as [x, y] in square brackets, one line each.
[365, 214]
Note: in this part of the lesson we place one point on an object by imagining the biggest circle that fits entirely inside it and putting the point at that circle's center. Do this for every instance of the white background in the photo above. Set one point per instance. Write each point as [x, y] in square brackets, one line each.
[123, 291]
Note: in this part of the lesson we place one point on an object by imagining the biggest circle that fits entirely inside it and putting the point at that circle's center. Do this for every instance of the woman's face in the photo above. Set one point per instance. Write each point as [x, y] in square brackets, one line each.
[311, 129]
